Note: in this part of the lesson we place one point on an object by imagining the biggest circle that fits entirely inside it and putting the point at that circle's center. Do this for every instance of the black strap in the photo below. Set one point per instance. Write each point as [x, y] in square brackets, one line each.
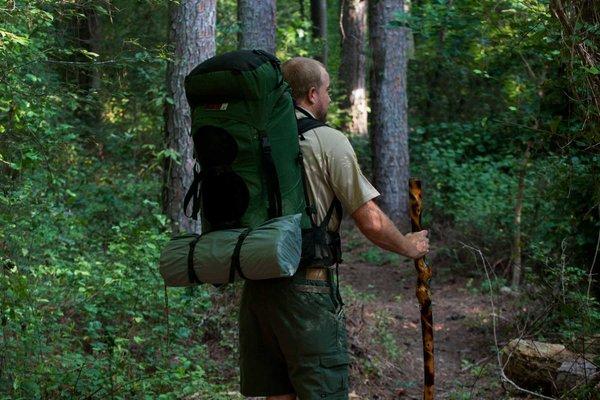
[305, 125]
[319, 232]
[191, 271]
[193, 193]
[336, 206]
[271, 177]
[333, 238]
[337, 279]
[308, 123]
[235, 258]
[311, 211]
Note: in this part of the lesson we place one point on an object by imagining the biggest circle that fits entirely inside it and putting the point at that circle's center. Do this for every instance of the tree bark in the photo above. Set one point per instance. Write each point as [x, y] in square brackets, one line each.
[352, 67]
[257, 24]
[517, 249]
[192, 34]
[318, 15]
[388, 119]
[88, 35]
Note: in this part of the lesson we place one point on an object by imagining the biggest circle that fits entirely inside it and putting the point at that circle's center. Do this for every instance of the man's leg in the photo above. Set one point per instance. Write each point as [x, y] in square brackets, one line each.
[263, 370]
[311, 331]
[283, 397]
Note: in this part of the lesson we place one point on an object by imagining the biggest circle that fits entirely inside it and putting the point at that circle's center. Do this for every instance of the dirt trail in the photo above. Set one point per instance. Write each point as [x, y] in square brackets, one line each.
[385, 335]
[383, 321]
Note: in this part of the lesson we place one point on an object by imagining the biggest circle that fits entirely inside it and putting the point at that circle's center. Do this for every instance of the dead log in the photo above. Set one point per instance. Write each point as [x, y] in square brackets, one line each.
[547, 367]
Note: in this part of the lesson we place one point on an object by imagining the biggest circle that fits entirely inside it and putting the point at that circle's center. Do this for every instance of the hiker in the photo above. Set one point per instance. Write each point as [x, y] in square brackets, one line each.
[293, 339]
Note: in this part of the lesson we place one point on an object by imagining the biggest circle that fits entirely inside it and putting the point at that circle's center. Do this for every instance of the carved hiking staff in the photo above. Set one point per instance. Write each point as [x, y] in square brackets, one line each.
[423, 293]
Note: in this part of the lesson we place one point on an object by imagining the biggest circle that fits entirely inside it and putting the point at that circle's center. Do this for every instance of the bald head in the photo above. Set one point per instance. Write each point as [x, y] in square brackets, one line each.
[309, 82]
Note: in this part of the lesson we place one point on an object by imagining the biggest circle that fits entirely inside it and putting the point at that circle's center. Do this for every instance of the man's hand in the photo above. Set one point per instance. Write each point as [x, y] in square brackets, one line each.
[419, 244]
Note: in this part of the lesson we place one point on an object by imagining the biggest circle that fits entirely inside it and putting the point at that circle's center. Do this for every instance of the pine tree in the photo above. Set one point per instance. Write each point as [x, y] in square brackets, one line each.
[257, 24]
[388, 119]
[353, 64]
[192, 35]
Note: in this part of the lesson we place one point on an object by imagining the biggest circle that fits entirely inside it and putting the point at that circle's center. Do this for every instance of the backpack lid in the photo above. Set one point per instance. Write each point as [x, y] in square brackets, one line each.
[233, 76]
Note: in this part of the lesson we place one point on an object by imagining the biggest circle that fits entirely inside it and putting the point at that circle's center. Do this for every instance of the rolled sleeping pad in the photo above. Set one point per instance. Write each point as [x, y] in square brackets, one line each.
[271, 250]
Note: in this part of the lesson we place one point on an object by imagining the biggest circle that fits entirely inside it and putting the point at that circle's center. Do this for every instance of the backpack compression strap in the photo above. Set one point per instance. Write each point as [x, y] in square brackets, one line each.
[272, 179]
[193, 194]
[191, 271]
[235, 258]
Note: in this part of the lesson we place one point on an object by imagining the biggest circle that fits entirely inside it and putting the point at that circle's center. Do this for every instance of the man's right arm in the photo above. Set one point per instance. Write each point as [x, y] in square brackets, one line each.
[380, 230]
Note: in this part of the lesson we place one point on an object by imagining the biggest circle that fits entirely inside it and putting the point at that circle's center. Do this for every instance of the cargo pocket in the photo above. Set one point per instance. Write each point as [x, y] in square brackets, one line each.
[334, 376]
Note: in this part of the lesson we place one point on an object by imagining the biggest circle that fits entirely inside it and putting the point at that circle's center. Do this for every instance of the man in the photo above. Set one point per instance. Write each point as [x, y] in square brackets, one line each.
[293, 342]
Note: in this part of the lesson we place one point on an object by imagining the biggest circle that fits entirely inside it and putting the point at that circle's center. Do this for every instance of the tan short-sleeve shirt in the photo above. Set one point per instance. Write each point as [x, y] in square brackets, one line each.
[333, 171]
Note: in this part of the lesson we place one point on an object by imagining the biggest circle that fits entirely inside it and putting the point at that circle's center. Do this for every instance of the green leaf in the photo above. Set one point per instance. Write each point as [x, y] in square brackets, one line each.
[11, 37]
[162, 219]
[89, 54]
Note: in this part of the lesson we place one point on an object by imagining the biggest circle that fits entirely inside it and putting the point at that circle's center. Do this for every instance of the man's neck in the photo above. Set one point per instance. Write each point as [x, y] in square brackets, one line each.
[306, 109]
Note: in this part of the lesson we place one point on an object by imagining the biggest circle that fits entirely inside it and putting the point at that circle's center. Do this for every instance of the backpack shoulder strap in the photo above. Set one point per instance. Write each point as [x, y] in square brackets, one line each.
[308, 123]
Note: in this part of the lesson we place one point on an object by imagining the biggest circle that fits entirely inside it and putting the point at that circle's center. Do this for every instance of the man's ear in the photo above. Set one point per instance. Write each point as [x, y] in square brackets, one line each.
[312, 95]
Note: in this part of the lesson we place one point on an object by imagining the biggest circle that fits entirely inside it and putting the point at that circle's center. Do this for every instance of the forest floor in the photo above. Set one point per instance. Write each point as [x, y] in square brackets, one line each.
[384, 331]
[384, 327]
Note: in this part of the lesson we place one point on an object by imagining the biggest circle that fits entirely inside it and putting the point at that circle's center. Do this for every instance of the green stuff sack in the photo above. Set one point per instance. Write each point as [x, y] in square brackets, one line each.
[271, 250]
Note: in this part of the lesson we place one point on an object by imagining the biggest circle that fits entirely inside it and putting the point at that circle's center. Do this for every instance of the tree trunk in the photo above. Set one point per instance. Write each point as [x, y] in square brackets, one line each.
[353, 63]
[389, 125]
[95, 29]
[192, 34]
[257, 24]
[517, 242]
[318, 15]
[89, 35]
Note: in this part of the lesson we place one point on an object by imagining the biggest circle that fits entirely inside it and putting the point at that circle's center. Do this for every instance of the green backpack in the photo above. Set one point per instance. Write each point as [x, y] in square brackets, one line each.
[246, 145]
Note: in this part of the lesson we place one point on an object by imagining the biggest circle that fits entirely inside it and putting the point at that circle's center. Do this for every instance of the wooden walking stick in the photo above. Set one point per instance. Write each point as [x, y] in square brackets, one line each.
[423, 293]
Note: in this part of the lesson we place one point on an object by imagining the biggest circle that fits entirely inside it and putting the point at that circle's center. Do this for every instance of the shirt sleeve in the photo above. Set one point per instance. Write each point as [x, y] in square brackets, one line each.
[349, 184]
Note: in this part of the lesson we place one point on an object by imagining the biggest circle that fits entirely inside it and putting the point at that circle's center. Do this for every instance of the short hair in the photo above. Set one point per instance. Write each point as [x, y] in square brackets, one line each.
[301, 74]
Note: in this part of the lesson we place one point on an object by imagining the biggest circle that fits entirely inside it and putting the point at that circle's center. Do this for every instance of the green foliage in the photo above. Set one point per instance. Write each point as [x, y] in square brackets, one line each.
[82, 305]
[375, 256]
[386, 336]
[469, 179]
[574, 313]
[81, 155]
[486, 78]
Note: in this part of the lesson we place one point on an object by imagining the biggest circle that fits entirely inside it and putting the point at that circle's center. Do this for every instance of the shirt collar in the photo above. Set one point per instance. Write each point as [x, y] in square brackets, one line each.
[305, 110]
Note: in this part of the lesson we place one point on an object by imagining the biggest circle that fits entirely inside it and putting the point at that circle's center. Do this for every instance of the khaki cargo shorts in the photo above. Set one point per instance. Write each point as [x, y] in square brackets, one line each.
[293, 339]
